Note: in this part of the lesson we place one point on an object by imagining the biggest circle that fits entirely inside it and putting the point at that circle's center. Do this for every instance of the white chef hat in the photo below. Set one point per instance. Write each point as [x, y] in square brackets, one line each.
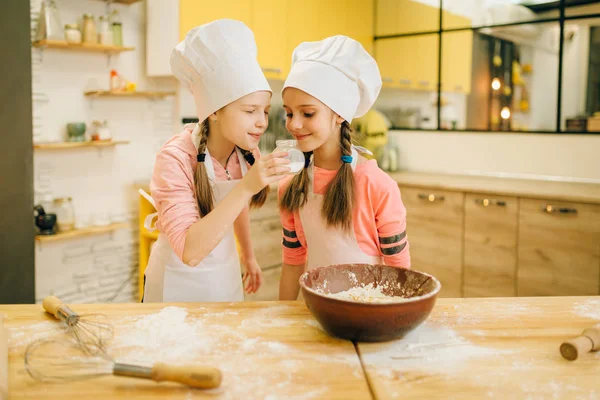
[217, 63]
[339, 72]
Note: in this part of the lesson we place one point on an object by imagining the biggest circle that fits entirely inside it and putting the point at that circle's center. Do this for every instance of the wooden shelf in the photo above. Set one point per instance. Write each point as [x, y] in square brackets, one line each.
[91, 230]
[108, 93]
[61, 44]
[77, 145]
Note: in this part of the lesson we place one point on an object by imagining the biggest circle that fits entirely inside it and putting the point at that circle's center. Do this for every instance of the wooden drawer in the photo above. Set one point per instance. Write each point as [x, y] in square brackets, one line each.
[490, 246]
[269, 291]
[559, 248]
[435, 229]
[266, 239]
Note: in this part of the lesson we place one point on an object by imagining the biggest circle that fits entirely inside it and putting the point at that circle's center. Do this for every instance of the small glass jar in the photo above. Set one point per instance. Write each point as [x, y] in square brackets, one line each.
[104, 31]
[89, 29]
[72, 33]
[65, 213]
[295, 156]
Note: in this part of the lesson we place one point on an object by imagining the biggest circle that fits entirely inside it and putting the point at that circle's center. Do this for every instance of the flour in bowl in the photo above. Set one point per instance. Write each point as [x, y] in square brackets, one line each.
[366, 294]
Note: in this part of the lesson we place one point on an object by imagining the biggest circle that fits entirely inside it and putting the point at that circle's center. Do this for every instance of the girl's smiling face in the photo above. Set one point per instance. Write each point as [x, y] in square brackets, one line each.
[310, 121]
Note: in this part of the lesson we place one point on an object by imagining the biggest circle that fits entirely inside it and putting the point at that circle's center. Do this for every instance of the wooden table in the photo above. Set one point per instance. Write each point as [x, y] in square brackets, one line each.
[489, 348]
[468, 348]
[264, 350]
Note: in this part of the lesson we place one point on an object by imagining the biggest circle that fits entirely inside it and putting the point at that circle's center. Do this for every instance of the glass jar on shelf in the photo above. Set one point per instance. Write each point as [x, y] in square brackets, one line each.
[90, 35]
[65, 213]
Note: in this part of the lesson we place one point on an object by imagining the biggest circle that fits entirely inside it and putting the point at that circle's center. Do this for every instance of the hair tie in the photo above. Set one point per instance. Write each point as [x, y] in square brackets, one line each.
[306, 162]
[347, 159]
[201, 157]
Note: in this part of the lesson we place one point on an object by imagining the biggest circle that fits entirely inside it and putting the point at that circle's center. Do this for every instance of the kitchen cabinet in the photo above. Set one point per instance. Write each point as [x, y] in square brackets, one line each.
[457, 55]
[534, 238]
[490, 245]
[409, 62]
[434, 229]
[269, 26]
[559, 248]
[278, 26]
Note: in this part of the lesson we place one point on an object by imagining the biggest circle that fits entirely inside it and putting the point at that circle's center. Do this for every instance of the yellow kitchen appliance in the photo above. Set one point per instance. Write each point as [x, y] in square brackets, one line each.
[371, 130]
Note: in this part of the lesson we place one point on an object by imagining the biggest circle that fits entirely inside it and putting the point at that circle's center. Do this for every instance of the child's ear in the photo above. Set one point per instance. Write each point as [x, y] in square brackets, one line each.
[213, 117]
[338, 120]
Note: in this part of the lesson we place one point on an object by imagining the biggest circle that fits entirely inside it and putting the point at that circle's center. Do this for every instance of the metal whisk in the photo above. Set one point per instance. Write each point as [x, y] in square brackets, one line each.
[92, 331]
[51, 360]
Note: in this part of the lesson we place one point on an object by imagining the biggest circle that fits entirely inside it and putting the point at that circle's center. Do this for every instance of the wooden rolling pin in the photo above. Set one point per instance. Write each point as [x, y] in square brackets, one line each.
[589, 340]
[3, 360]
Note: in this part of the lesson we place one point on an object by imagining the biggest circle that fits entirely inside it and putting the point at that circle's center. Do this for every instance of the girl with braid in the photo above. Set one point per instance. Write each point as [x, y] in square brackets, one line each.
[341, 208]
[205, 177]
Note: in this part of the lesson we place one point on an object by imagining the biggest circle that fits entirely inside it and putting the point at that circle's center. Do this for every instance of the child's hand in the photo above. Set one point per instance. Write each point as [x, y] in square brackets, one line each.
[252, 279]
[266, 170]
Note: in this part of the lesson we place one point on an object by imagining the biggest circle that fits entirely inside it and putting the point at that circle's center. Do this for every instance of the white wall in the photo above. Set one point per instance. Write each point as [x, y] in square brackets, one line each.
[96, 268]
[571, 157]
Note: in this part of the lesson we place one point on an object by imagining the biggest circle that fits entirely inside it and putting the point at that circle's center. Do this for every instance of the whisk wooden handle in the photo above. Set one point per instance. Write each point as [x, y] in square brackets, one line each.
[200, 377]
[589, 340]
[3, 360]
[52, 304]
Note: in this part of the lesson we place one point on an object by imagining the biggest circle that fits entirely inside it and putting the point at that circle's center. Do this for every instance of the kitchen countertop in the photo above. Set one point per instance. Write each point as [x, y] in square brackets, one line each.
[468, 348]
[529, 188]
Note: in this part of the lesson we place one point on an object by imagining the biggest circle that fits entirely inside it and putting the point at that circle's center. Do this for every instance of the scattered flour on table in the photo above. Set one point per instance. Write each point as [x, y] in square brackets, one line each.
[589, 309]
[21, 336]
[427, 347]
[175, 335]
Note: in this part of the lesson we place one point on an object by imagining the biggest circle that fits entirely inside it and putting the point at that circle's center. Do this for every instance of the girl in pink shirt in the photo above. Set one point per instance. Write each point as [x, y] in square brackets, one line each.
[205, 177]
[341, 208]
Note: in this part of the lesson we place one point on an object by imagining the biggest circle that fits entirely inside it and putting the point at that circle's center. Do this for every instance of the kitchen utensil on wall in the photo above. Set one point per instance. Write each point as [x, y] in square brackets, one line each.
[50, 360]
[76, 131]
[49, 25]
[45, 222]
[92, 331]
[589, 340]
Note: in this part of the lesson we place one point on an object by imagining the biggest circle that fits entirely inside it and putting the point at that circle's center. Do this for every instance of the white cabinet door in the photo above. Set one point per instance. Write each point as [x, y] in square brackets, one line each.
[162, 35]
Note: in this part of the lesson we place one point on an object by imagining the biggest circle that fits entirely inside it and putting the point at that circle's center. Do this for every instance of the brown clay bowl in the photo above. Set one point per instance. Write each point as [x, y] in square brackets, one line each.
[369, 322]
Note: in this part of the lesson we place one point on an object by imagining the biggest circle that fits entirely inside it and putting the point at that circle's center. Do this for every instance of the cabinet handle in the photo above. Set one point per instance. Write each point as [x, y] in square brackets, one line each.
[430, 197]
[273, 70]
[386, 79]
[550, 209]
[490, 202]
[405, 81]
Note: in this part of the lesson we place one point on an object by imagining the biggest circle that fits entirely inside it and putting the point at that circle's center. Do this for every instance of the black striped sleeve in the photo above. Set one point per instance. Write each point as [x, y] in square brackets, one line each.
[291, 245]
[392, 239]
[390, 251]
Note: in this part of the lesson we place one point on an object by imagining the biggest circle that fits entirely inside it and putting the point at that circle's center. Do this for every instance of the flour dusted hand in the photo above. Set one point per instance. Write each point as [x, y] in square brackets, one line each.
[266, 170]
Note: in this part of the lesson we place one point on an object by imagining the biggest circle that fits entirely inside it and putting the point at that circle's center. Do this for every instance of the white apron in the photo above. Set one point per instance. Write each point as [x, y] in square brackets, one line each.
[328, 245]
[217, 278]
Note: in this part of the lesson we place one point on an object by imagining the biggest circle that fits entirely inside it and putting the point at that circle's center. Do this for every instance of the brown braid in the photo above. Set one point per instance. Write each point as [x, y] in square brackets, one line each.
[339, 196]
[295, 195]
[204, 193]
